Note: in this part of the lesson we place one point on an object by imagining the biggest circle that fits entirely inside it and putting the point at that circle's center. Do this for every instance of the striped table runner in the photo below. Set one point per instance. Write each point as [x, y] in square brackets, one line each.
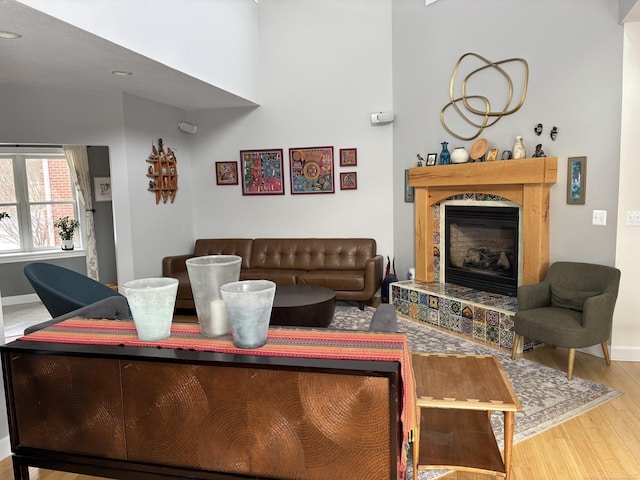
[281, 342]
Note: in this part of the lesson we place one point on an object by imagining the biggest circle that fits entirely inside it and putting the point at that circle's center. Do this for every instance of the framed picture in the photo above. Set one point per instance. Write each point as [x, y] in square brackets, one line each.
[432, 158]
[348, 157]
[576, 180]
[262, 172]
[408, 190]
[311, 170]
[102, 189]
[226, 173]
[348, 181]
[492, 155]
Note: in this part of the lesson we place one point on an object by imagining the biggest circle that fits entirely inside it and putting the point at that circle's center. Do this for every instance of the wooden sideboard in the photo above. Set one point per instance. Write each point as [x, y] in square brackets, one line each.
[147, 413]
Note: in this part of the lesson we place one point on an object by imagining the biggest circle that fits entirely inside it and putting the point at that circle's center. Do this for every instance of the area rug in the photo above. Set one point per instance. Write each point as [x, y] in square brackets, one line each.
[547, 397]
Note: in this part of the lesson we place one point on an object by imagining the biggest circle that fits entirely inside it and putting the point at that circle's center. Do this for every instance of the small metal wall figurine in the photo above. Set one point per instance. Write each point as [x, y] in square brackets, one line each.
[538, 129]
[538, 152]
[554, 133]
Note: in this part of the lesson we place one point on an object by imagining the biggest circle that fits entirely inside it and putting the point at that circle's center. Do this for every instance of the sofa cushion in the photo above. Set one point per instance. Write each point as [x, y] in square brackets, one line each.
[280, 277]
[564, 297]
[334, 279]
[225, 246]
[312, 253]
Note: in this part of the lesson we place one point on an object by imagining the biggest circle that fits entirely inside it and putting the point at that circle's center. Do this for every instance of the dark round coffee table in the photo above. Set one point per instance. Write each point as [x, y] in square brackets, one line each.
[303, 306]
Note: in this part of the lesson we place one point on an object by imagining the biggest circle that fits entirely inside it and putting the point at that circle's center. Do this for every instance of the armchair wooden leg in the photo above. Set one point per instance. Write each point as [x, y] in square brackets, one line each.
[516, 342]
[572, 357]
[605, 351]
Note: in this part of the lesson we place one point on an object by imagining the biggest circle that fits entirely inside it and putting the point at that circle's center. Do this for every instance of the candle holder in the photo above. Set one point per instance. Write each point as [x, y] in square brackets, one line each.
[206, 275]
[152, 301]
[249, 304]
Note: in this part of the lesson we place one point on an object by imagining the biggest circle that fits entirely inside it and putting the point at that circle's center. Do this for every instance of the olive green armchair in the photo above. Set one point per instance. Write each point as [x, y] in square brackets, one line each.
[572, 308]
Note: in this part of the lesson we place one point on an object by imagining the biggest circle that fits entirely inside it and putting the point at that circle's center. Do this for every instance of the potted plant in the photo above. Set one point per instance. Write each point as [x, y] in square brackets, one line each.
[66, 227]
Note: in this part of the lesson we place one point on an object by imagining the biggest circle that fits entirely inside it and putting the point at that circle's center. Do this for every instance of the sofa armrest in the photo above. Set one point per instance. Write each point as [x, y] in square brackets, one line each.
[384, 319]
[175, 264]
[534, 296]
[373, 274]
[597, 314]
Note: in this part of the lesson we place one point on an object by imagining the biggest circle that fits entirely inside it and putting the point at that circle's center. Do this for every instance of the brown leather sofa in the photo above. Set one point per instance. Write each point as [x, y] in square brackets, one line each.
[349, 266]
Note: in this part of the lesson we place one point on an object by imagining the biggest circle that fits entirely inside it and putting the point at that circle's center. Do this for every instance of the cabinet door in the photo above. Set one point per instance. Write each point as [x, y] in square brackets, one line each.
[68, 404]
[187, 415]
[319, 426]
[285, 424]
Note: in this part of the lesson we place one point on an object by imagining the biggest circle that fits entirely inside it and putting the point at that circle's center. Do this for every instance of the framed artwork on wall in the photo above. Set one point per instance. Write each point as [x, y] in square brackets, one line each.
[262, 172]
[226, 173]
[576, 180]
[311, 170]
[348, 157]
[348, 181]
[102, 189]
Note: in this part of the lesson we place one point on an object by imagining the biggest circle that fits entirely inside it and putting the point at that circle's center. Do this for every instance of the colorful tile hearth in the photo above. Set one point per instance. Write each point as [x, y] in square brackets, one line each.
[482, 316]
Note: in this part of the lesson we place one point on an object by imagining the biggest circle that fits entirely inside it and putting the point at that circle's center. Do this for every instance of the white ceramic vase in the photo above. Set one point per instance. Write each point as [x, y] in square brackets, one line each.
[518, 148]
[459, 155]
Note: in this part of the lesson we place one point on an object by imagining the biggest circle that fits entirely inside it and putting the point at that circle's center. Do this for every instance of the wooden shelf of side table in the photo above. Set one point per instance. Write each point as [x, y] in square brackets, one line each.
[455, 396]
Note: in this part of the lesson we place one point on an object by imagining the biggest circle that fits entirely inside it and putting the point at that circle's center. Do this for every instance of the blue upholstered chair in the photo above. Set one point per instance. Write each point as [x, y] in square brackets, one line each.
[62, 290]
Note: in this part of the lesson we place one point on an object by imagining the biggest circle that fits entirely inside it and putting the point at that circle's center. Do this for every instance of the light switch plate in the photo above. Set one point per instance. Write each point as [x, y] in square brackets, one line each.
[599, 217]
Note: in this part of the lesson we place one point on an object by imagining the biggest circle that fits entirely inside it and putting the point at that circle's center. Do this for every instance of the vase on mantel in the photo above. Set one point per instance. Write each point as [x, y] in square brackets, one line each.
[445, 156]
[459, 155]
[518, 148]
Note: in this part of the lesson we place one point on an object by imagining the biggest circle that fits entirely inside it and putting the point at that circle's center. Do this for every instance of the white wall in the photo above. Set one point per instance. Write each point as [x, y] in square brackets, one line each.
[166, 228]
[626, 334]
[57, 116]
[322, 73]
[191, 36]
[575, 84]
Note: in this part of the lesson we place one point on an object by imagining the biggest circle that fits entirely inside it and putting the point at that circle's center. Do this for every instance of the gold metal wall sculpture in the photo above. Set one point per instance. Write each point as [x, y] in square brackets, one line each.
[487, 116]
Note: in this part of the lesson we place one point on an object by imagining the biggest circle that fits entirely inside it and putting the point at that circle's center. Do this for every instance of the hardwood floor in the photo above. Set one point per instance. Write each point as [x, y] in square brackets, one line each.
[602, 444]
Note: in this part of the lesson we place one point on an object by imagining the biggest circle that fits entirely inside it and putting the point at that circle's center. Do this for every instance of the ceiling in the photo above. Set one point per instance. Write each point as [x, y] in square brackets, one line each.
[54, 53]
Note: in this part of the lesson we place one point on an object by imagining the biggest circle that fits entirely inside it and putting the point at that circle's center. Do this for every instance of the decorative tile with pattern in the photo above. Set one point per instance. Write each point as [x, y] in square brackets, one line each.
[459, 309]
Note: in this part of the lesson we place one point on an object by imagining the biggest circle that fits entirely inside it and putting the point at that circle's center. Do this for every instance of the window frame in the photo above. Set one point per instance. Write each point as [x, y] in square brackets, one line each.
[23, 205]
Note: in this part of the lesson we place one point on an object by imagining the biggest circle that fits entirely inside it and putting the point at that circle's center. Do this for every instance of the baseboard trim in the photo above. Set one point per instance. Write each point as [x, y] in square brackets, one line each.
[20, 299]
[5, 447]
[625, 353]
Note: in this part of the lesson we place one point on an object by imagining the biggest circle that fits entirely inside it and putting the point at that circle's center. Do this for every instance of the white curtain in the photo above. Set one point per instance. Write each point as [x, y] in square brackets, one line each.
[79, 167]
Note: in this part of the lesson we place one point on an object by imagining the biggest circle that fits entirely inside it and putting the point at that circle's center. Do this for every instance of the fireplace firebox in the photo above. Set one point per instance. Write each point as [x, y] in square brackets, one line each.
[481, 248]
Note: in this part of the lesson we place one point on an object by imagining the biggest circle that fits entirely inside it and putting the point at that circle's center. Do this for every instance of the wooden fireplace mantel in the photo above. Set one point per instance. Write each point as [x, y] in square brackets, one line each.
[525, 182]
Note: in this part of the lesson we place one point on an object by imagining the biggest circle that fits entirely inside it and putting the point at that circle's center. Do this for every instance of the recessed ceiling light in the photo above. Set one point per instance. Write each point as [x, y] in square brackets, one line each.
[121, 73]
[9, 35]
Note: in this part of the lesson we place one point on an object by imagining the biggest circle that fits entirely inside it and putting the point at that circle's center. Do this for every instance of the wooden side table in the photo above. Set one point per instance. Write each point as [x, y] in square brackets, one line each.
[455, 395]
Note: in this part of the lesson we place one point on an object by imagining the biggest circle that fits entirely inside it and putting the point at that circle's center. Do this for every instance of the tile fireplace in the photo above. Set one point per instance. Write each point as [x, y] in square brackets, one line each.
[470, 309]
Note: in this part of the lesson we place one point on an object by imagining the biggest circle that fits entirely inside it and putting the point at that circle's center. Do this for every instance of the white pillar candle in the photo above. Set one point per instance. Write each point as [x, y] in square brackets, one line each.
[218, 323]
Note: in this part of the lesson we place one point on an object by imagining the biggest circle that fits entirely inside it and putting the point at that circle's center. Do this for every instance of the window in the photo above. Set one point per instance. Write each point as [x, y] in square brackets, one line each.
[35, 190]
